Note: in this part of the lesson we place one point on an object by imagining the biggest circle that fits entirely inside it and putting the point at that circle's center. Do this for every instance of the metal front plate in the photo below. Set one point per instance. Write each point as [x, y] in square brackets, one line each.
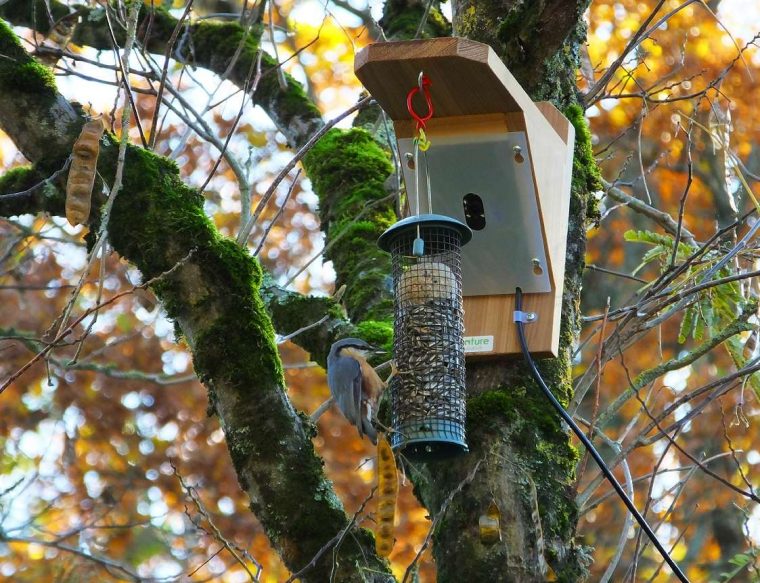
[509, 252]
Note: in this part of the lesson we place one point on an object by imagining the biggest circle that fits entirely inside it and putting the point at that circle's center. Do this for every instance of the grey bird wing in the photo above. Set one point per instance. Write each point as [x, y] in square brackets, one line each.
[349, 398]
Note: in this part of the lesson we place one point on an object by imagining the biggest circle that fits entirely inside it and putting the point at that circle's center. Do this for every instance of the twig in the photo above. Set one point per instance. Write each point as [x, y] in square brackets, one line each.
[593, 267]
[32, 189]
[682, 203]
[164, 72]
[622, 541]
[292, 335]
[279, 213]
[64, 333]
[423, 20]
[660, 217]
[337, 238]
[596, 503]
[245, 232]
[751, 495]
[334, 540]
[103, 561]
[321, 409]
[217, 534]
[123, 60]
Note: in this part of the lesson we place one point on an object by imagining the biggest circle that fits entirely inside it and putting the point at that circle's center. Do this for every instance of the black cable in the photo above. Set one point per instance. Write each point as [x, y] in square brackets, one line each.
[589, 446]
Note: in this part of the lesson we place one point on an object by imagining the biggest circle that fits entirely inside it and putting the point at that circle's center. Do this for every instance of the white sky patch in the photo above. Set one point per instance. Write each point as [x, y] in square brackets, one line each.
[682, 411]
[740, 17]
[677, 379]
[665, 482]
[753, 525]
[226, 505]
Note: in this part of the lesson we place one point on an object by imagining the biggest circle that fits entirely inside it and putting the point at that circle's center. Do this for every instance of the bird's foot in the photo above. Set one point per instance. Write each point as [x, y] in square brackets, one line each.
[394, 372]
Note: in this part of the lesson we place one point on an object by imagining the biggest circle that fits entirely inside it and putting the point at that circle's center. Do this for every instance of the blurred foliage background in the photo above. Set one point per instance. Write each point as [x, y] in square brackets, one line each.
[106, 449]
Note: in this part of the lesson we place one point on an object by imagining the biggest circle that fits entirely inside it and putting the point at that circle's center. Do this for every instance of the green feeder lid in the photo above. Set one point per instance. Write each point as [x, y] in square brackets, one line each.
[411, 224]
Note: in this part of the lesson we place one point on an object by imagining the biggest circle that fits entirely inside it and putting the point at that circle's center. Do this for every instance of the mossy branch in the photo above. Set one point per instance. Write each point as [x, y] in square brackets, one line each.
[25, 190]
[349, 170]
[210, 288]
[539, 41]
[227, 49]
[736, 327]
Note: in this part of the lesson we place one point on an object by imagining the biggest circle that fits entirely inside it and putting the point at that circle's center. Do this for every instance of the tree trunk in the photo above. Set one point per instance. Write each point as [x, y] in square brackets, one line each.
[527, 463]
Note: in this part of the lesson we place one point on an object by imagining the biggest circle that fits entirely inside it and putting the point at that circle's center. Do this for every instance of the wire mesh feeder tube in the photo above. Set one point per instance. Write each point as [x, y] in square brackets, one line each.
[428, 392]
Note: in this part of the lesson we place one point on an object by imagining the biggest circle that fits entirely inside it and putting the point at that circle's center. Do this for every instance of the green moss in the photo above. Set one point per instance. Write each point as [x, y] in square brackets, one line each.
[292, 311]
[30, 77]
[18, 179]
[159, 221]
[49, 197]
[349, 170]
[292, 104]
[587, 179]
[159, 23]
[215, 45]
[19, 72]
[402, 19]
[26, 12]
[522, 16]
[378, 334]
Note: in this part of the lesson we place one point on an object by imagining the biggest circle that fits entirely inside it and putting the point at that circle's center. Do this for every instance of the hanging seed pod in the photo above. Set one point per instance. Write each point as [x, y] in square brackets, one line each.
[82, 172]
[387, 489]
[489, 525]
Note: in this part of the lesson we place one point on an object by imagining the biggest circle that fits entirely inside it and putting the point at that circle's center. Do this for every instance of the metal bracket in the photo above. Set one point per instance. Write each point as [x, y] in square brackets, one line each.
[524, 317]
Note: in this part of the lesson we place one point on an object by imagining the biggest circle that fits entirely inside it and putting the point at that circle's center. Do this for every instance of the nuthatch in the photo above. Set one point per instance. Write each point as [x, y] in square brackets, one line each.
[354, 384]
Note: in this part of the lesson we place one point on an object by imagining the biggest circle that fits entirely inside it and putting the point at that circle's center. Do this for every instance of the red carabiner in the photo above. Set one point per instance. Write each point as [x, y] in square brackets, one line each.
[423, 87]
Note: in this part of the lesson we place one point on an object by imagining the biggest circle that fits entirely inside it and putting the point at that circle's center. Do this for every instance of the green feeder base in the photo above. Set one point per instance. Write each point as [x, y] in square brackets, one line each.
[429, 439]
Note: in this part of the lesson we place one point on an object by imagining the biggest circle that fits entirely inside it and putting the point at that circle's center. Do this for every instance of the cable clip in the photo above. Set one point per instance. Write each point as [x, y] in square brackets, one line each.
[524, 317]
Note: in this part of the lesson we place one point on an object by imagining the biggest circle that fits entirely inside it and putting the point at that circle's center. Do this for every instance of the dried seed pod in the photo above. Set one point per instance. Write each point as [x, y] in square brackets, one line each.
[387, 490]
[489, 525]
[82, 172]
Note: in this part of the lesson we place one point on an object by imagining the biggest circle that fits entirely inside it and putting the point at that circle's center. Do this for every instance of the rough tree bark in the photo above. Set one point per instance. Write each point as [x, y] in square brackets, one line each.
[528, 461]
[216, 297]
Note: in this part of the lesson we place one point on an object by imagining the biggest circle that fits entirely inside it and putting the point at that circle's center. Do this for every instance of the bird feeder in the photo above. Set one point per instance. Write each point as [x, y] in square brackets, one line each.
[428, 391]
[499, 163]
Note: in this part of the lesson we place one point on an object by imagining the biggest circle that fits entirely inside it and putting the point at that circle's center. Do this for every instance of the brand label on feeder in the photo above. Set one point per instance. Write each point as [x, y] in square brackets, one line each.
[478, 344]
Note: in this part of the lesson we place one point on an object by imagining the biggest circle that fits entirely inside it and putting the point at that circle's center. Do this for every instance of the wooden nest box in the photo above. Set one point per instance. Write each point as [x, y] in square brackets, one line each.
[498, 162]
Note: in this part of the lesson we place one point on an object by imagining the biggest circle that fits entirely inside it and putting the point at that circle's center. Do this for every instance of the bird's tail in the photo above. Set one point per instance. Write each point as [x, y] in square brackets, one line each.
[369, 430]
